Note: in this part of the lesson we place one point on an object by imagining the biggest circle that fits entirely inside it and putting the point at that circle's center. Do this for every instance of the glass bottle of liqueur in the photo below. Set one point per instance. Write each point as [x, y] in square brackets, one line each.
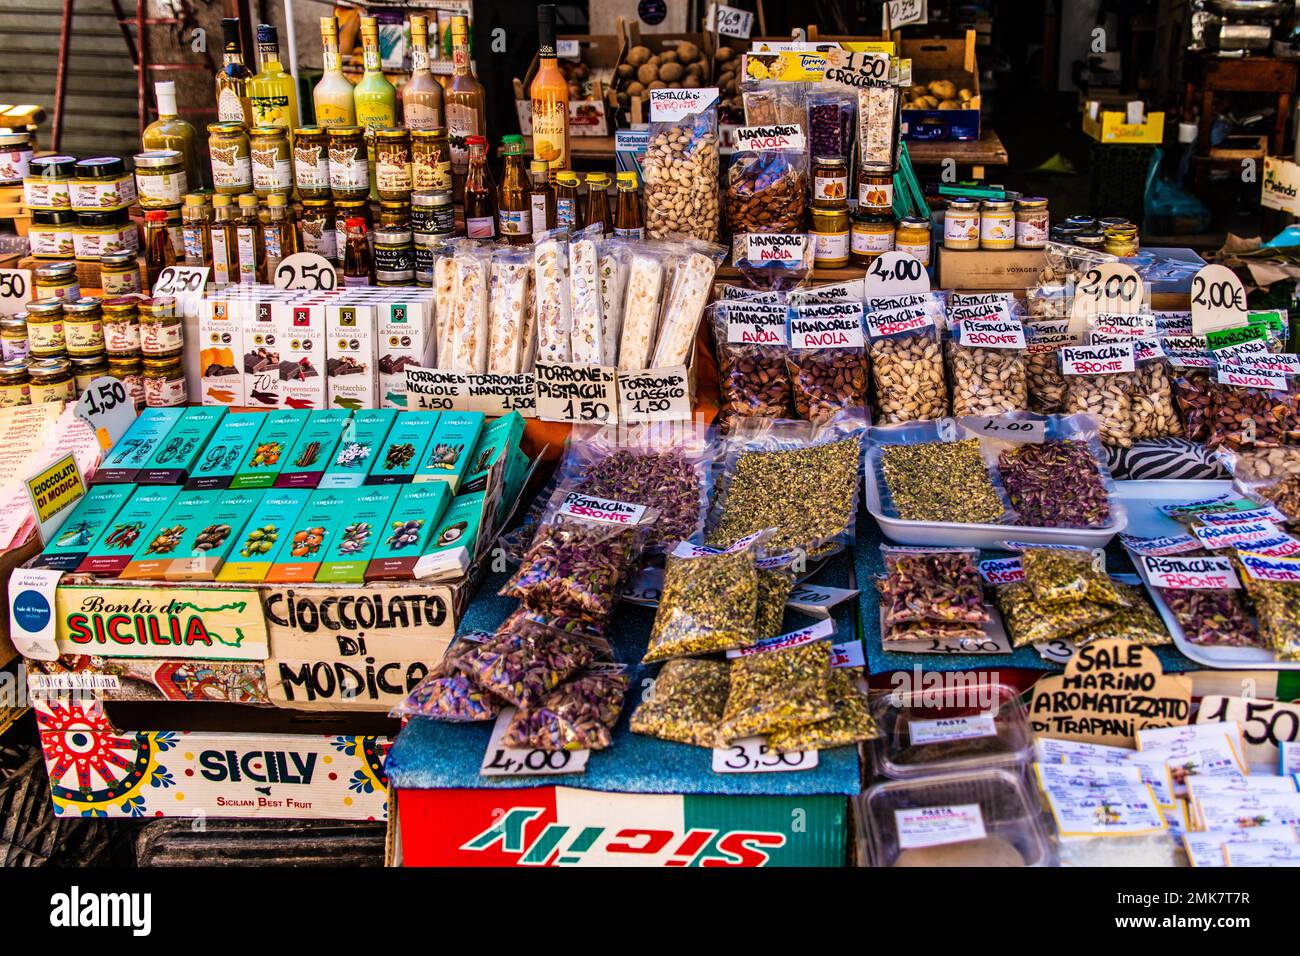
[250, 253]
[374, 96]
[568, 206]
[466, 105]
[627, 217]
[514, 209]
[549, 94]
[480, 196]
[541, 199]
[279, 235]
[333, 97]
[598, 203]
[169, 131]
[159, 253]
[272, 91]
[195, 230]
[233, 104]
[422, 93]
[358, 268]
[225, 265]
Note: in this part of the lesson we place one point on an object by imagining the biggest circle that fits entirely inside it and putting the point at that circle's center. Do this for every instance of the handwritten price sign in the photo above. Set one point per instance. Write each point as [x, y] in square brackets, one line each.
[15, 290]
[306, 271]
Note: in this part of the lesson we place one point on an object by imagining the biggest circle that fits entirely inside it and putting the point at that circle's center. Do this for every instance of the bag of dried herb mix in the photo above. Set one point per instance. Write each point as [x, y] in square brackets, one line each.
[850, 721]
[447, 694]
[778, 684]
[685, 702]
[525, 660]
[1029, 622]
[709, 603]
[932, 585]
[1063, 575]
[579, 714]
[798, 479]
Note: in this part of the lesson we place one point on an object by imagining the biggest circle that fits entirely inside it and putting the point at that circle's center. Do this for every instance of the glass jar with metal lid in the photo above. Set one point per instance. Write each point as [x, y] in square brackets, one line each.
[15, 387]
[1033, 222]
[101, 183]
[121, 326]
[830, 182]
[161, 329]
[87, 368]
[119, 273]
[830, 237]
[1084, 223]
[45, 328]
[51, 380]
[13, 337]
[1122, 240]
[1091, 239]
[393, 163]
[913, 237]
[1065, 232]
[272, 163]
[51, 232]
[56, 280]
[876, 189]
[99, 233]
[164, 382]
[394, 215]
[83, 327]
[232, 166]
[48, 182]
[870, 235]
[997, 224]
[311, 162]
[160, 180]
[432, 213]
[345, 209]
[129, 370]
[961, 224]
[394, 250]
[424, 255]
[389, 278]
[1105, 222]
[317, 221]
[349, 165]
[430, 159]
[15, 157]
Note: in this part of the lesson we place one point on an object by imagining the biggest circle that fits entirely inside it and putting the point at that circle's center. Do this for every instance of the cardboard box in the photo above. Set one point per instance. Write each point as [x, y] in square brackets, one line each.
[300, 333]
[351, 357]
[261, 361]
[977, 270]
[221, 351]
[951, 60]
[1112, 126]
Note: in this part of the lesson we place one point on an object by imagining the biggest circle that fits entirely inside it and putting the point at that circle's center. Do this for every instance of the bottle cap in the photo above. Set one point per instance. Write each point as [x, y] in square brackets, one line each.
[156, 215]
[628, 177]
[248, 200]
[355, 222]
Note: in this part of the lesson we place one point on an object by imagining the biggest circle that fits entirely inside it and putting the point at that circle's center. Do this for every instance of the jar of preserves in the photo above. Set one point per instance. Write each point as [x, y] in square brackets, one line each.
[1121, 240]
[430, 159]
[129, 370]
[51, 232]
[232, 166]
[425, 248]
[99, 233]
[1091, 239]
[392, 278]
[48, 182]
[961, 224]
[343, 211]
[394, 250]
[830, 238]
[85, 369]
[1083, 223]
[83, 327]
[13, 337]
[164, 382]
[913, 237]
[15, 157]
[869, 236]
[876, 189]
[161, 329]
[272, 163]
[121, 326]
[311, 162]
[1033, 224]
[1105, 222]
[45, 328]
[57, 280]
[432, 213]
[394, 215]
[15, 387]
[393, 163]
[830, 182]
[317, 222]
[997, 224]
[160, 181]
[101, 183]
[50, 380]
[349, 168]
[119, 273]
[1065, 232]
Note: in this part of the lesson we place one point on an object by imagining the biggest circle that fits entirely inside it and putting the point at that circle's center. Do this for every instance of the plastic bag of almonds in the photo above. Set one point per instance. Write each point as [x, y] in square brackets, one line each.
[907, 381]
[986, 380]
[681, 165]
[827, 359]
[767, 180]
[1194, 393]
[1253, 417]
[751, 348]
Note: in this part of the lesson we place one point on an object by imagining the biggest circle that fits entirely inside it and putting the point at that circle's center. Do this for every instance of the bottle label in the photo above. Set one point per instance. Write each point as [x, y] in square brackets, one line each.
[159, 189]
[271, 173]
[122, 337]
[230, 108]
[921, 251]
[274, 252]
[316, 238]
[480, 227]
[420, 116]
[830, 246]
[550, 124]
[637, 233]
[271, 111]
[565, 213]
[347, 170]
[516, 222]
[419, 57]
[220, 258]
[425, 175]
[371, 58]
[830, 188]
[876, 195]
[392, 175]
[311, 166]
[355, 281]
[230, 171]
[246, 241]
[871, 243]
[193, 237]
[164, 392]
[330, 55]
[157, 338]
[462, 123]
[332, 114]
[394, 258]
[537, 212]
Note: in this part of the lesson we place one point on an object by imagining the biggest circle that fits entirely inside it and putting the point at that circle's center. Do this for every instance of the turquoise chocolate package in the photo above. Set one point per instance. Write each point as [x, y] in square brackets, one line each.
[314, 449]
[206, 543]
[366, 524]
[402, 448]
[269, 453]
[92, 513]
[134, 449]
[359, 447]
[136, 520]
[225, 451]
[449, 454]
[177, 454]
[255, 547]
[411, 527]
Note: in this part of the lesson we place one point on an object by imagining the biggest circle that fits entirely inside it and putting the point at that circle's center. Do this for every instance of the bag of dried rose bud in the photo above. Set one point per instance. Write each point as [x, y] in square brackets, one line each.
[828, 359]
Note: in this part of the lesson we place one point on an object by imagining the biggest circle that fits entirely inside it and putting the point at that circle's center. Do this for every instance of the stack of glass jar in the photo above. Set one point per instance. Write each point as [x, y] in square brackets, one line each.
[80, 209]
[1112, 234]
[996, 224]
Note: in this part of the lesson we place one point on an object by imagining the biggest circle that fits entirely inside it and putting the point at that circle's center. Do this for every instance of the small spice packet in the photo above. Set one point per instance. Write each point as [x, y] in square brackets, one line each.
[850, 722]
[708, 604]
[579, 714]
[1138, 622]
[1029, 622]
[447, 694]
[778, 684]
[685, 703]
[1056, 575]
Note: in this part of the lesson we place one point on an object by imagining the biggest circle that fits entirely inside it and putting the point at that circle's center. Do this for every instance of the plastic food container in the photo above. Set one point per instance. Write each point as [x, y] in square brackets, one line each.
[964, 728]
[982, 818]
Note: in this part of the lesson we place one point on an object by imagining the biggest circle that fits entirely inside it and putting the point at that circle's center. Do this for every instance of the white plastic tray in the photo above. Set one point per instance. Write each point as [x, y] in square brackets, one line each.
[1140, 498]
[991, 536]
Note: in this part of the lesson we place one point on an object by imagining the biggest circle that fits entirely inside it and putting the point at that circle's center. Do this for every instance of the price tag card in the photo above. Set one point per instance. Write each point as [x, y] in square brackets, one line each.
[817, 600]
[568, 50]
[996, 643]
[106, 407]
[891, 315]
[729, 21]
[15, 290]
[1235, 535]
[1165, 544]
[894, 273]
[1209, 573]
[306, 271]
[1242, 378]
[753, 755]
[1266, 725]
[1136, 325]
[1108, 288]
[656, 395]
[1057, 651]
[837, 326]
[992, 333]
[936, 826]
[1034, 432]
[789, 247]
[1218, 300]
[1109, 359]
[497, 395]
[902, 12]
[751, 323]
[671, 106]
[781, 138]
[605, 510]
[857, 70]
[185, 284]
[577, 393]
[502, 761]
[433, 389]
[1002, 570]
[53, 491]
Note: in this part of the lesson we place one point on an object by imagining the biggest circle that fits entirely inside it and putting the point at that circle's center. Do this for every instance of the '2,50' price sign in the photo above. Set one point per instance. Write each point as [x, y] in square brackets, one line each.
[15, 290]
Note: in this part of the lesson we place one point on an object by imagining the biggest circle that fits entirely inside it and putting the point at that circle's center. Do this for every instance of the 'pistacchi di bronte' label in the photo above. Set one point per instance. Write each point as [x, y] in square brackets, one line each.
[591, 508]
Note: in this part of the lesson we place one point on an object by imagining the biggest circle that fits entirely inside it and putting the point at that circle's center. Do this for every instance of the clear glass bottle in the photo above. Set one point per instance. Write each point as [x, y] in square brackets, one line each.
[541, 198]
[279, 234]
[233, 104]
[422, 93]
[221, 237]
[598, 203]
[169, 131]
[333, 97]
[514, 211]
[250, 253]
[466, 105]
[158, 249]
[480, 193]
[275, 102]
[195, 216]
[628, 223]
[358, 268]
[549, 95]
